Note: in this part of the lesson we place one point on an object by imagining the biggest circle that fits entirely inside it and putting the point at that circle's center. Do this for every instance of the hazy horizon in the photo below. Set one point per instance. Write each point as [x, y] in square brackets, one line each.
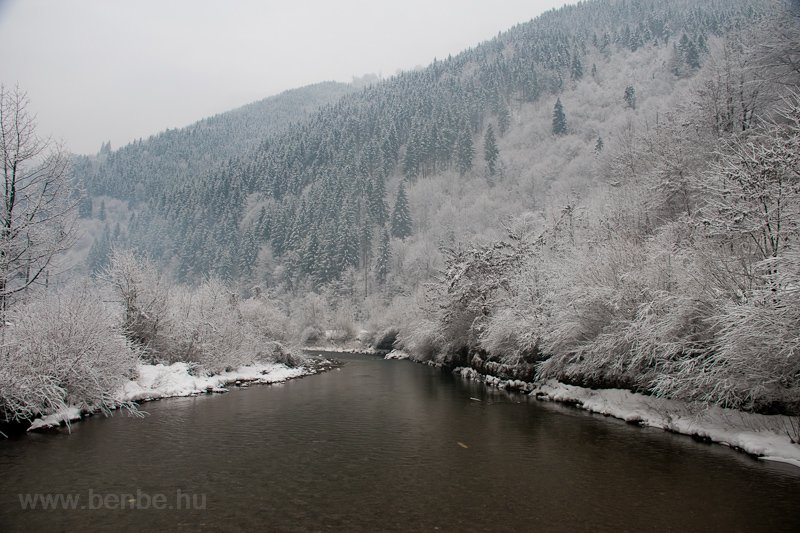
[101, 70]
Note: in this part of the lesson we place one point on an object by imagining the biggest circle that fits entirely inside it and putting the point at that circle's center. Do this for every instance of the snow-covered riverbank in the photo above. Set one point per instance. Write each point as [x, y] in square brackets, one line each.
[166, 381]
[764, 436]
[160, 381]
[354, 349]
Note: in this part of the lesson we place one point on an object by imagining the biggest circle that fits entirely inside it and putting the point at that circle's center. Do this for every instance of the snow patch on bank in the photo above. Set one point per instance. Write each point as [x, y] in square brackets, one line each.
[494, 381]
[166, 381]
[764, 436]
[63, 416]
[396, 354]
[340, 349]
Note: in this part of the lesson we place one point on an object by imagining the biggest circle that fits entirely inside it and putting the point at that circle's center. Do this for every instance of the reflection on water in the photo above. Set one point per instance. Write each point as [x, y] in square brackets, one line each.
[389, 445]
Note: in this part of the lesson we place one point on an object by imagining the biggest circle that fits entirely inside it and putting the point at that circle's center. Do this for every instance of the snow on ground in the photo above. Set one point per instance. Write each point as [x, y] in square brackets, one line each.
[56, 419]
[162, 381]
[396, 354]
[339, 349]
[166, 381]
[765, 436]
[494, 381]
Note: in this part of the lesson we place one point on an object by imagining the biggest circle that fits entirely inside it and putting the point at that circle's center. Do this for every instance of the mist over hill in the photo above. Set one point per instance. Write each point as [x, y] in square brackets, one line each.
[134, 171]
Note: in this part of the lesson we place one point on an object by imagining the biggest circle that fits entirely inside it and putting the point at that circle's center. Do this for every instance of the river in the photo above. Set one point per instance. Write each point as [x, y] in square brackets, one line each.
[384, 445]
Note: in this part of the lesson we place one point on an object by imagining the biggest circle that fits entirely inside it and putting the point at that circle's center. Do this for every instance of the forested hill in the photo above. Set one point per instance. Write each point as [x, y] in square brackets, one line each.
[339, 198]
[136, 171]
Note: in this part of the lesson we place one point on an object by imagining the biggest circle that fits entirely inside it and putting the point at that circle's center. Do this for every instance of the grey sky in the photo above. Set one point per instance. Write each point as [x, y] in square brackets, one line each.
[118, 70]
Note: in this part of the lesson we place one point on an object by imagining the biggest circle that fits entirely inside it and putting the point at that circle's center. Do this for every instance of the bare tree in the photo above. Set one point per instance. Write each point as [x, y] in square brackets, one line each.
[37, 215]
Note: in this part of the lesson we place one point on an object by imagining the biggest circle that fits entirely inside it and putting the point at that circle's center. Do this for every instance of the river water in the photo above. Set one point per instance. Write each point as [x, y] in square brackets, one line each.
[384, 445]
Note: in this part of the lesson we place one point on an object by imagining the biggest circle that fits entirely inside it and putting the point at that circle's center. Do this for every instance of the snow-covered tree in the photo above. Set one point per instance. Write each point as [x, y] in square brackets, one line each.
[630, 97]
[401, 215]
[559, 119]
[490, 150]
[384, 258]
[39, 205]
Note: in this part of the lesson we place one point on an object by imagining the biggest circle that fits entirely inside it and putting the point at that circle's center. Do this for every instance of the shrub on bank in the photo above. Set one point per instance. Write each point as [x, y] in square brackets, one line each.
[208, 325]
[64, 348]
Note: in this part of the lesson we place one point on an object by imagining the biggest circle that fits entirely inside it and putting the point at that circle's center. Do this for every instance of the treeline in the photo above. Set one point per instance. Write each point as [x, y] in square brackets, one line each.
[679, 275]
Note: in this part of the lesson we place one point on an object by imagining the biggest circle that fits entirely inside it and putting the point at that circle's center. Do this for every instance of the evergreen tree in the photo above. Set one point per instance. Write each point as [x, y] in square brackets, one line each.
[630, 97]
[692, 56]
[248, 253]
[490, 150]
[99, 253]
[464, 150]
[366, 254]
[346, 240]
[384, 258]
[378, 209]
[85, 206]
[685, 57]
[576, 72]
[559, 119]
[401, 215]
[503, 119]
[598, 146]
[309, 255]
[325, 268]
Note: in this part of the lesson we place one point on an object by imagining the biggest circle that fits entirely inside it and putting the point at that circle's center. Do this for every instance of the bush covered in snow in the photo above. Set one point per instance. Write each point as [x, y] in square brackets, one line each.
[63, 348]
[208, 325]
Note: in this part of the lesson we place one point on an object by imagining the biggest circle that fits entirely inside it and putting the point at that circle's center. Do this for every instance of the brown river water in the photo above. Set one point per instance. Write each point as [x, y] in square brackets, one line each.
[383, 446]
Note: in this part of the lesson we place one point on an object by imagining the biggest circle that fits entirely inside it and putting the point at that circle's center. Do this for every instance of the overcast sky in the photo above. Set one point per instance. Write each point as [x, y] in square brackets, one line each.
[118, 70]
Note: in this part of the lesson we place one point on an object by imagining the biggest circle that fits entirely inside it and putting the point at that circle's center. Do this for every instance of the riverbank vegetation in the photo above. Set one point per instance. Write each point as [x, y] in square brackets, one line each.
[78, 346]
[677, 275]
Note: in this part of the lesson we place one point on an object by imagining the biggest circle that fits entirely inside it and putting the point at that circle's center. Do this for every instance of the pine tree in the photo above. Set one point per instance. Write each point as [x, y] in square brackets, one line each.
[401, 215]
[630, 97]
[346, 240]
[325, 267]
[503, 119]
[97, 259]
[490, 150]
[464, 150]
[384, 258]
[692, 56]
[378, 209]
[576, 72]
[685, 57]
[85, 206]
[248, 253]
[559, 119]
[598, 146]
[366, 253]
